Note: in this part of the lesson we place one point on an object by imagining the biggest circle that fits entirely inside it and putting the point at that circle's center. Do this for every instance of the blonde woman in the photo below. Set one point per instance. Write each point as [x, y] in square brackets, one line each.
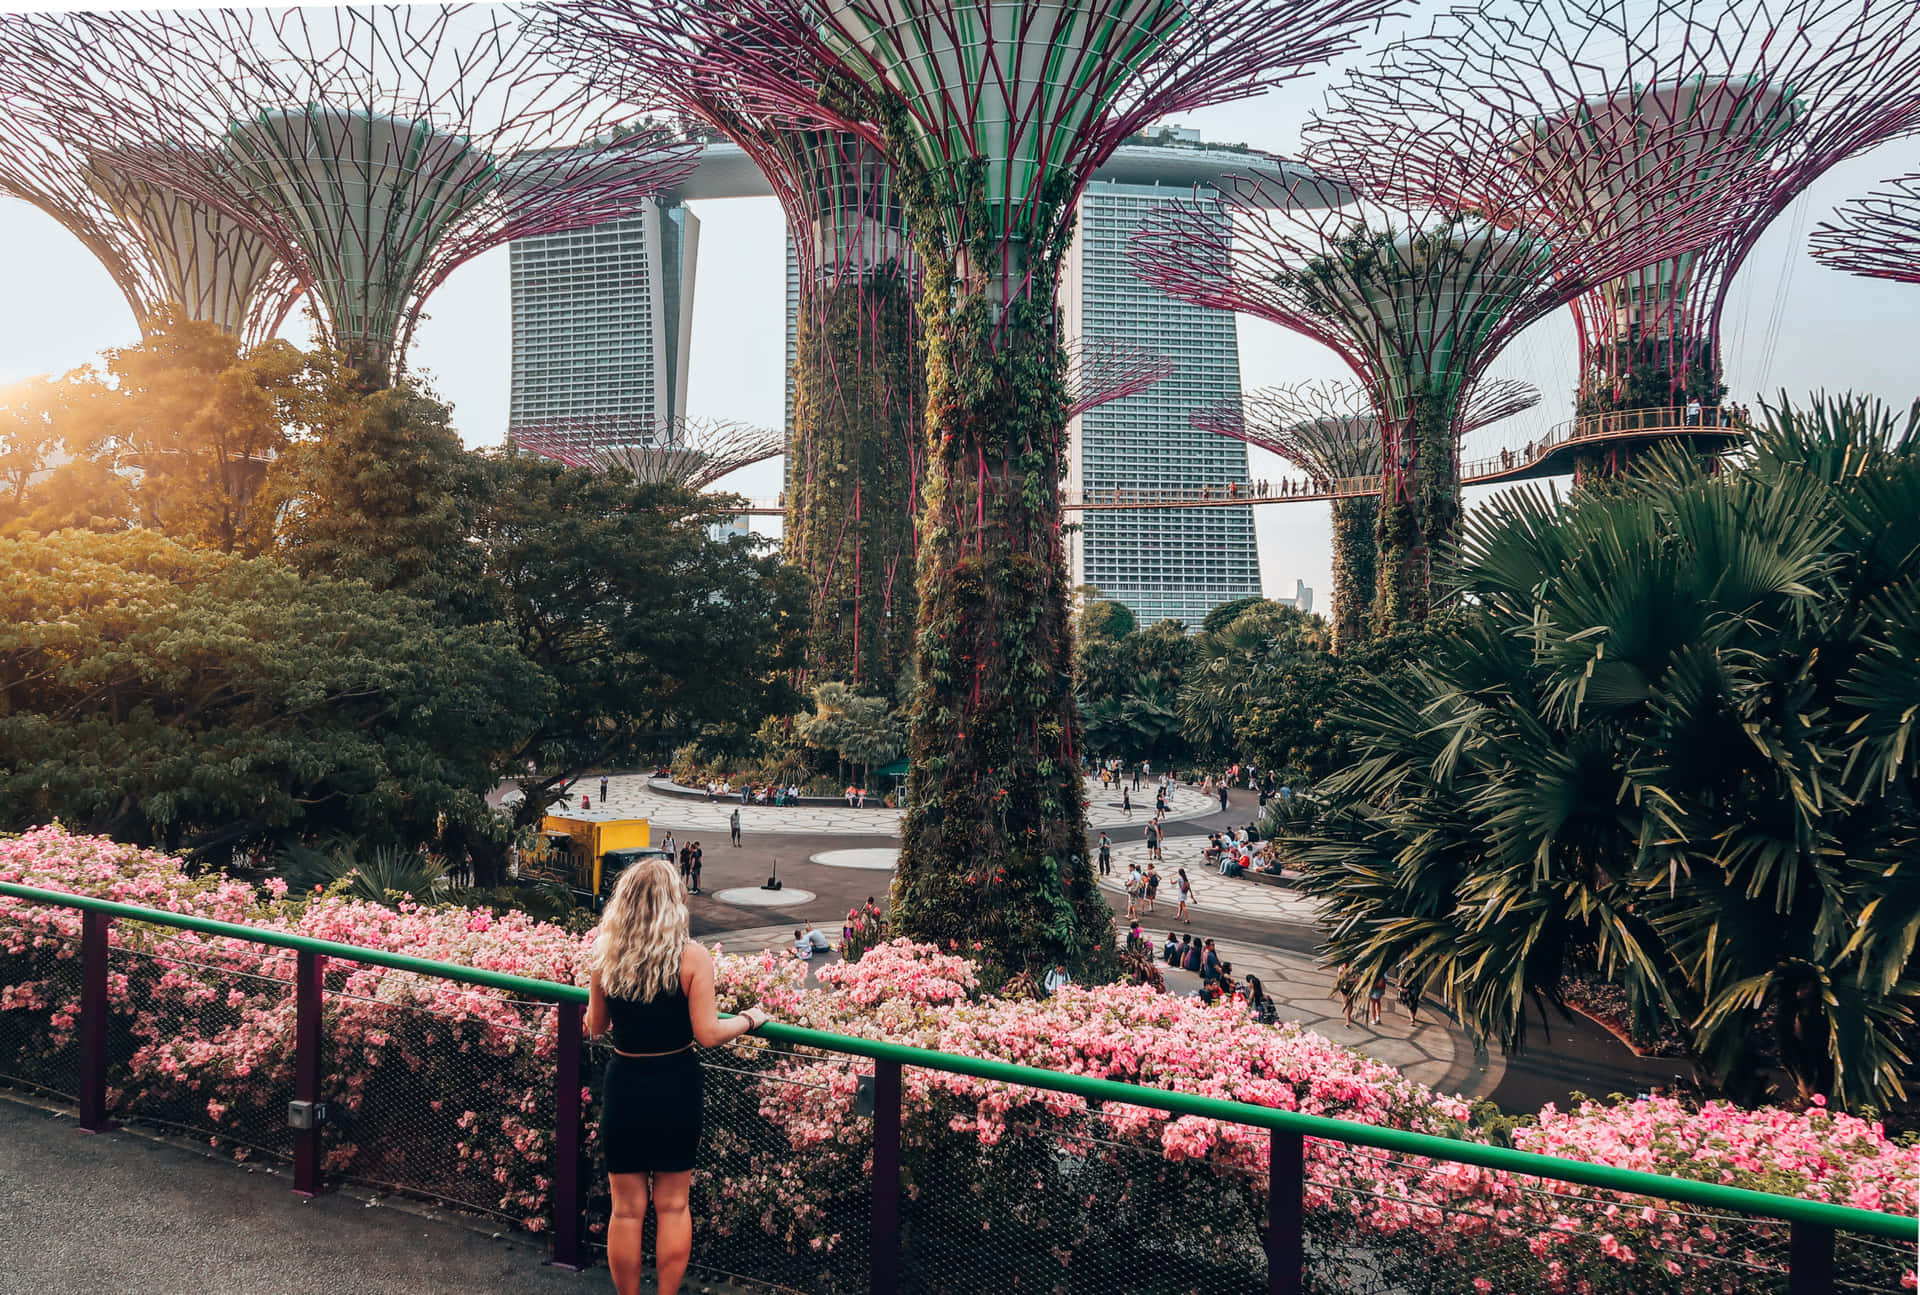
[653, 987]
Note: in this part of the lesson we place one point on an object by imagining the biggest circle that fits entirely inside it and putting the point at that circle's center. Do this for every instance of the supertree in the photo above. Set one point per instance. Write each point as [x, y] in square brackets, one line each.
[993, 115]
[851, 471]
[375, 149]
[1099, 372]
[1455, 245]
[1748, 100]
[1329, 430]
[692, 453]
[170, 256]
[1877, 236]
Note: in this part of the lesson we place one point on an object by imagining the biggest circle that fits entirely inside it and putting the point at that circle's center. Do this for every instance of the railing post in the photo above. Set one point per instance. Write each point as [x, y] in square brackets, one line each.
[93, 1022]
[306, 1071]
[886, 1177]
[567, 1138]
[1286, 1213]
[1810, 1260]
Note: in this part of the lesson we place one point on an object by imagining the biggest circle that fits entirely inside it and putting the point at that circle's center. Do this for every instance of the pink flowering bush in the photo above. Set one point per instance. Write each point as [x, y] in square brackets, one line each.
[447, 1090]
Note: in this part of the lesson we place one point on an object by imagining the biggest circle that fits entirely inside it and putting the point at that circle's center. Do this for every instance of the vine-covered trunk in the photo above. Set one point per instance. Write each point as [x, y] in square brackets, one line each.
[1419, 509]
[1354, 522]
[995, 832]
[851, 482]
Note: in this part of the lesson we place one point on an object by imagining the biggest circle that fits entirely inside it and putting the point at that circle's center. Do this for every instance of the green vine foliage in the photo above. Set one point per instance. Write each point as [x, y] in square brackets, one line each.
[1354, 570]
[994, 855]
[858, 380]
[1419, 515]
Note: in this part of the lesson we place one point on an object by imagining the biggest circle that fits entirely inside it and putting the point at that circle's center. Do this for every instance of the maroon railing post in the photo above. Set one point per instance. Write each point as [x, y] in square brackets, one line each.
[886, 1177]
[1286, 1214]
[306, 1071]
[1810, 1260]
[93, 1022]
[567, 1137]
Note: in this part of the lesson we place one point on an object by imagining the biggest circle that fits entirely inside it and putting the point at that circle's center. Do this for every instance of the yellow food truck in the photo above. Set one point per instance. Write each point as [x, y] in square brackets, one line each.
[589, 854]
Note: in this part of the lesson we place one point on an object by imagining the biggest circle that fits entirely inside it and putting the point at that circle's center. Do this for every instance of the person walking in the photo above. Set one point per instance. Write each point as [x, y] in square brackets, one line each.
[1153, 885]
[1136, 774]
[652, 988]
[1223, 798]
[1376, 999]
[693, 870]
[1410, 987]
[1134, 887]
[686, 863]
[1106, 855]
[1185, 890]
[1153, 838]
[1126, 803]
[733, 826]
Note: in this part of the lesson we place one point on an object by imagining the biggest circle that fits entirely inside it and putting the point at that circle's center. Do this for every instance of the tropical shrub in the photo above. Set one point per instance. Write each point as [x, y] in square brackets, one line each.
[446, 1090]
[1669, 739]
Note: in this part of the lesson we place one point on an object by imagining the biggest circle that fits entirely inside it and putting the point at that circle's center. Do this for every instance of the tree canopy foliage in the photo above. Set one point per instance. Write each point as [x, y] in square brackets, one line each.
[193, 699]
[1670, 740]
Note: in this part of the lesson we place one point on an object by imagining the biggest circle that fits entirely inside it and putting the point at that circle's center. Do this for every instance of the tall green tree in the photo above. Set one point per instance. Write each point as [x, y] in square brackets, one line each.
[652, 630]
[380, 489]
[1670, 740]
[201, 702]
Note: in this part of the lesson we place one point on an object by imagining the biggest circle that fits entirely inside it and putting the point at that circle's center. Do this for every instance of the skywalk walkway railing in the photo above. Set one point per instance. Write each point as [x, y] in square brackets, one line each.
[818, 1174]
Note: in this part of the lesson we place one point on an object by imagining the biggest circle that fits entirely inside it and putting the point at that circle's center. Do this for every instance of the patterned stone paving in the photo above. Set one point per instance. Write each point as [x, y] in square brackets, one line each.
[631, 796]
[1214, 895]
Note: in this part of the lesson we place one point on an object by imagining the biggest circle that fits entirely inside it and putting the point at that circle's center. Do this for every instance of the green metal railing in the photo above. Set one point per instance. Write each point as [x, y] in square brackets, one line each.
[1813, 1224]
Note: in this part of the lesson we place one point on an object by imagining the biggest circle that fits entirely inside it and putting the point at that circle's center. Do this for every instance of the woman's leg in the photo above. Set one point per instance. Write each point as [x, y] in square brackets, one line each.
[673, 1224]
[624, 1258]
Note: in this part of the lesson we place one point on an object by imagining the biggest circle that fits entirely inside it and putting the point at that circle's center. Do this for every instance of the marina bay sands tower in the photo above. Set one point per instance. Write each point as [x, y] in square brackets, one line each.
[602, 328]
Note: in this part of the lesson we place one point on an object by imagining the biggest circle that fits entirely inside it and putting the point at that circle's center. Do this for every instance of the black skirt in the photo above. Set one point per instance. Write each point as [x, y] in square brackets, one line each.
[650, 1110]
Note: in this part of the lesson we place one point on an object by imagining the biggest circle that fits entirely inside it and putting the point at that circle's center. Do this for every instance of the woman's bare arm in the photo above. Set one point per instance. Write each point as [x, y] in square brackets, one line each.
[599, 1020]
[709, 1031]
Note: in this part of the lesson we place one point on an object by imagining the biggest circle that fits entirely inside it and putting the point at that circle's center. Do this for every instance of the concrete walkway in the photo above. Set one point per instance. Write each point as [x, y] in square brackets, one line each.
[1215, 896]
[633, 796]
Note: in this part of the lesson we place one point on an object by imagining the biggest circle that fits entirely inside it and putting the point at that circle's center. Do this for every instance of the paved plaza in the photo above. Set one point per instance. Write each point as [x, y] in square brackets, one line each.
[1214, 895]
[637, 796]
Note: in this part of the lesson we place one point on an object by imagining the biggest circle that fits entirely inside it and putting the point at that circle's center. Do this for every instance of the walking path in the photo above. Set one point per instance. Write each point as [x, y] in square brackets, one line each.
[1214, 895]
[635, 796]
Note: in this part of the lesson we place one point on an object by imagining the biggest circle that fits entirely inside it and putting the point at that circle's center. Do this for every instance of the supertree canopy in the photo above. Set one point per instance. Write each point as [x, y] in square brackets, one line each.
[1751, 100]
[374, 148]
[993, 115]
[692, 453]
[1330, 431]
[1099, 372]
[1454, 247]
[168, 254]
[1877, 236]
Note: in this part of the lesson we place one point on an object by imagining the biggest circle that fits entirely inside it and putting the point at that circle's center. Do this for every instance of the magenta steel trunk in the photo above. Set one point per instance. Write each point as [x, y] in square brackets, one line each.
[93, 1022]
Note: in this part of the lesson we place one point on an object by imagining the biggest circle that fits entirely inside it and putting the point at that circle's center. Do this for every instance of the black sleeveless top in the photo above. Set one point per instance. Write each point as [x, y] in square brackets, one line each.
[659, 1024]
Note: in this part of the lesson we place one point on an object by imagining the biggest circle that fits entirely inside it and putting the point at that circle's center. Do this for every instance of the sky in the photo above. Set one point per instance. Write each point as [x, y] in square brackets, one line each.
[1790, 325]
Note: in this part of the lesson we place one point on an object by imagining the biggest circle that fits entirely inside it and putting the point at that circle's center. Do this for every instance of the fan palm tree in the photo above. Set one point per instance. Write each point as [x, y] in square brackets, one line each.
[1672, 739]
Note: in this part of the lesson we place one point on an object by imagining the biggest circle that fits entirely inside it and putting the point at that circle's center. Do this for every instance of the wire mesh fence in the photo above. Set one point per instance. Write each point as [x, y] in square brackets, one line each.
[40, 1002]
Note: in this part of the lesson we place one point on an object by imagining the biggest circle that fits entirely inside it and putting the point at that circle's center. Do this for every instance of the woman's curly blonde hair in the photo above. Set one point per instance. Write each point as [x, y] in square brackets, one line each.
[642, 933]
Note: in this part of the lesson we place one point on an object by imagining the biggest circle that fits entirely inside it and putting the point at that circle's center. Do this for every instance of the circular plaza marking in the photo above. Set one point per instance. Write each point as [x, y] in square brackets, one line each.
[880, 860]
[755, 897]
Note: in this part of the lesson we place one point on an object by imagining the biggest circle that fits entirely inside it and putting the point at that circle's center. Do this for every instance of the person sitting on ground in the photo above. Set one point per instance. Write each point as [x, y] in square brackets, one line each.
[818, 939]
[1210, 962]
[652, 987]
[1192, 956]
[1260, 1008]
[802, 946]
[1171, 949]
